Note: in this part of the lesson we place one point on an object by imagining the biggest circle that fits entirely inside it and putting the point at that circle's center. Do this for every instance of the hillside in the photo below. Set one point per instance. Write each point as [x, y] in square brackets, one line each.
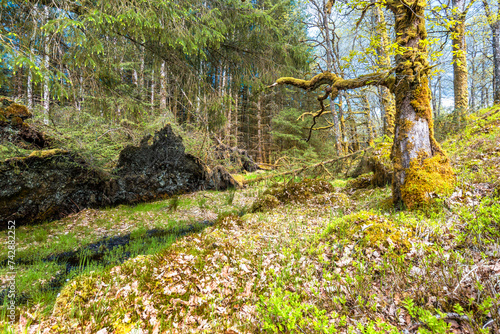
[301, 257]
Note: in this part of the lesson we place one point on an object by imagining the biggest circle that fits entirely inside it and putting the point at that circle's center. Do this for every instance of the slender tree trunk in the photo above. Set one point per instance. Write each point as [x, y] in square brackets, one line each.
[354, 138]
[483, 83]
[153, 88]
[29, 88]
[494, 23]
[236, 115]
[163, 89]
[473, 83]
[388, 102]
[46, 83]
[368, 120]
[259, 129]
[135, 77]
[460, 75]
[329, 66]
[29, 84]
[229, 113]
[344, 146]
[142, 89]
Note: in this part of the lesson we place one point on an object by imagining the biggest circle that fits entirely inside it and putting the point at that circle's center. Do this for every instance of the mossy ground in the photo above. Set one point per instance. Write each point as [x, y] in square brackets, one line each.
[338, 261]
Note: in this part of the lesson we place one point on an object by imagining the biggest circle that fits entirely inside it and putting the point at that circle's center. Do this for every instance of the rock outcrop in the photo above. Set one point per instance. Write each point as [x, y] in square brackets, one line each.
[50, 184]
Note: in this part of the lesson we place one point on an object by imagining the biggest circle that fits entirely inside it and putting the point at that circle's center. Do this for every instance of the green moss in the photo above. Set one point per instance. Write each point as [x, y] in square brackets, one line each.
[229, 220]
[46, 153]
[372, 230]
[77, 293]
[424, 177]
[337, 199]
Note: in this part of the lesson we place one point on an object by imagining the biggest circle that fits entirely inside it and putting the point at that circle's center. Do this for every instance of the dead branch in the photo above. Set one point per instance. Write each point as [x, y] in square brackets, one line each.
[302, 169]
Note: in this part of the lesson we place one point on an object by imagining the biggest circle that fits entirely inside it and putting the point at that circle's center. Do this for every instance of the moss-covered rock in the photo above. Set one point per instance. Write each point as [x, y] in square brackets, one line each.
[264, 203]
[13, 130]
[9, 110]
[295, 192]
[361, 182]
[299, 192]
[369, 229]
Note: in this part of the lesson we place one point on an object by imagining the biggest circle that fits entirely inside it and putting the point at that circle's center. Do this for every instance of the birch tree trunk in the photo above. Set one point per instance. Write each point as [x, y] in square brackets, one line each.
[163, 88]
[259, 128]
[29, 84]
[46, 79]
[153, 89]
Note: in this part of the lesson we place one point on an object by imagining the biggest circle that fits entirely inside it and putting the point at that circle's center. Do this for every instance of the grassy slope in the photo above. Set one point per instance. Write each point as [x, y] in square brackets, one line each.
[314, 268]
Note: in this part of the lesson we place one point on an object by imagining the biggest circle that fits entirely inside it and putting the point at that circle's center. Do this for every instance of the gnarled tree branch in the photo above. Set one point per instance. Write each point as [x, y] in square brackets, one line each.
[327, 78]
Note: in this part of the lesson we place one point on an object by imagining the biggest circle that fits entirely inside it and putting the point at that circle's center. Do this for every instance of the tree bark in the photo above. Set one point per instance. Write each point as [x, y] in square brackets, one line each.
[153, 89]
[259, 129]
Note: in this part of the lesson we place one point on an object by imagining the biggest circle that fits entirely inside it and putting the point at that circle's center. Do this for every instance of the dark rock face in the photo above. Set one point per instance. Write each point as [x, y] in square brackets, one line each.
[160, 169]
[46, 186]
[51, 184]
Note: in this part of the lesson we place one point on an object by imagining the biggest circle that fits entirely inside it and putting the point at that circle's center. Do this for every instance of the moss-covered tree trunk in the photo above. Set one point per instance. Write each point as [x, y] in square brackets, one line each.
[420, 166]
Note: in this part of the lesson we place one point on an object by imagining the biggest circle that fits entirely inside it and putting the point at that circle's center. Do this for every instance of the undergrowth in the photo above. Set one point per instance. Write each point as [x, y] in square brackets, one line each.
[325, 259]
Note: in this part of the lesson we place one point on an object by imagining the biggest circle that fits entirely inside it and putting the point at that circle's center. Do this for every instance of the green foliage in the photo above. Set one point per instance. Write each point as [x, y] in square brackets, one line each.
[481, 223]
[435, 324]
[283, 312]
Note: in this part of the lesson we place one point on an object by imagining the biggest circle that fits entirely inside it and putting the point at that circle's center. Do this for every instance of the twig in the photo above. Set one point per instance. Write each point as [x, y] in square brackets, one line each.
[463, 278]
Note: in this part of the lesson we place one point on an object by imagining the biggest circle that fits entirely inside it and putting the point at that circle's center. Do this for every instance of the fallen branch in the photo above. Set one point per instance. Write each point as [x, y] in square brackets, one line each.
[300, 170]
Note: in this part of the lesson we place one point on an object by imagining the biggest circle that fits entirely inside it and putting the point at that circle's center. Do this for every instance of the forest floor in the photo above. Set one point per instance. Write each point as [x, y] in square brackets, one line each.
[337, 260]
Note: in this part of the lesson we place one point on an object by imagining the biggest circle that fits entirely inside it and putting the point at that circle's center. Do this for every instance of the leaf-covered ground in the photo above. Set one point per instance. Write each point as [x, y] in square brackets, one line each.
[341, 261]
